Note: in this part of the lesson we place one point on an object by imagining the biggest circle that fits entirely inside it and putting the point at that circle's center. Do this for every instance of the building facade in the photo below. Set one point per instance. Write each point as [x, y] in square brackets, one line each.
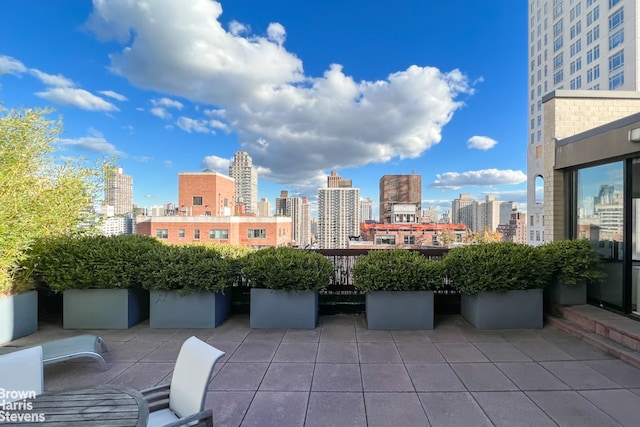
[409, 235]
[118, 191]
[205, 193]
[336, 181]
[338, 216]
[245, 175]
[264, 207]
[297, 208]
[366, 210]
[573, 45]
[463, 211]
[514, 230]
[399, 189]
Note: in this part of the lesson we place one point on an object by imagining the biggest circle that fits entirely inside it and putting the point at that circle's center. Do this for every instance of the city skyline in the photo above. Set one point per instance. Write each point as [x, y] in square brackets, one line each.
[366, 89]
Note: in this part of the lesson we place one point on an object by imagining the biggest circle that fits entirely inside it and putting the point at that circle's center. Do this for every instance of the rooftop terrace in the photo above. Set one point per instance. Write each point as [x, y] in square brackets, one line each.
[342, 374]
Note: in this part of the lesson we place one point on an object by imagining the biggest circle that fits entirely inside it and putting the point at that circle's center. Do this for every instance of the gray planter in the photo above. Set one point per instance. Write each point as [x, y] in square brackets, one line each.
[559, 293]
[272, 308]
[18, 316]
[169, 309]
[519, 309]
[399, 309]
[104, 308]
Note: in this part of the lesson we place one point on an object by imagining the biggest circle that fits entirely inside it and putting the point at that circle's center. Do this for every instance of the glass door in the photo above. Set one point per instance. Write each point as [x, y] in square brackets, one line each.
[635, 235]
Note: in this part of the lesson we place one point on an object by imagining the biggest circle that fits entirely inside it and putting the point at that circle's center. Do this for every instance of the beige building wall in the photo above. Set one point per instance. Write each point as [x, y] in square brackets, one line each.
[567, 113]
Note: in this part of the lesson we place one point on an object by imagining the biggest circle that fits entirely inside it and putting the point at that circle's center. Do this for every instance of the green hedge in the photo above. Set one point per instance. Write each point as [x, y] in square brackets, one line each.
[396, 270]
[496, 267]
[572, 261]
[287, 269]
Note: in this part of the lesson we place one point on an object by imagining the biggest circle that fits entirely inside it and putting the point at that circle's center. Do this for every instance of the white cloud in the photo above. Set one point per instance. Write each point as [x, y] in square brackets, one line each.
[11, 65]
[166, 102]
[114, 95]
[160, 112]
[217, 164]
[237, 28]
[456, 180]
[192, 125]
[51, 80]
[481, 142]
[95, 142]
[78, 98]
[260, 90]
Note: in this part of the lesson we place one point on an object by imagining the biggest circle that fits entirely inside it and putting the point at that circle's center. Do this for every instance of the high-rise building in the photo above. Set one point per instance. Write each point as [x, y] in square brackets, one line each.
[245, 174]
[264, 207]
[463, 211]
[574, 45]
[336, 181]
[506, 209]
[366, 209]
[515, 230]
[295, 208]
[488, 214]
[338, 215]
[118, 191]
[400, 190]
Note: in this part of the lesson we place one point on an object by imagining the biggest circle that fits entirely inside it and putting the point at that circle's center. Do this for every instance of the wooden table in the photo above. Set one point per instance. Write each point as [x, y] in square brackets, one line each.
[104, 406]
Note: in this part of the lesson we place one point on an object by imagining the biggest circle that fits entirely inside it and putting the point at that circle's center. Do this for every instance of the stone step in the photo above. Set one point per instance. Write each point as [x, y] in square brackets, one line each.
[618, 328]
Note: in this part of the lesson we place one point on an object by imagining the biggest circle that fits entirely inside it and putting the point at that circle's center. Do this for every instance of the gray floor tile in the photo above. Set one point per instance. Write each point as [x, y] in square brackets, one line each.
[479, 335]
[419, 352]
[129, 351]
[482, 377]
[394, 409]
[296, 351]
[62, 376]
[229, 347]
[577, 348]
[228, 407]
[531, 376]
[277, 409]
[579, 376]
[336, 409]
[621, 405]
[541, 350]
[265, 335]
[618, 371]
[288, 377]
[460, 352]
[501, 352]
[446, 334]
[370, 335]
[385, 377]
[512, 409]
[378, 352]
[255, 351]
[165, 352]
[340, 333]
[337, 352]
[143, 375]
[239, 377]
[568, 408]
[434, 377]
[337, 377]
[413, 336]
[453, 410]
[312, 335]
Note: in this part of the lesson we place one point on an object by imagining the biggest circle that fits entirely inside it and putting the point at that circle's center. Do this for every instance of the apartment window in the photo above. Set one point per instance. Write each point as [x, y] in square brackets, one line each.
[538, 155]
[196, 234]
[616, 39]
[593, 54]
[575, 12]
[557, 44]
[537, 235]
[539, 90]
[576, 29]
[218, 234]
[616, 19]
[593, 15]
[616, 80]
[539, 135]
[593, 35]
[531, 234]
[181, 233]
[539, 105]
[590, 2]
[409, 240]
[557, 10]
[385, 240]
[533, 123]
[557, 61]
[557, 77]
[576, 65]
[162, 233]
[616, 61]
[539, 119]
[576, 47]
[257, 233]
[576, 83]
[533, 64]
[533, 138]
[197, 200]
[557, 29]
[612, 3]
[531, 222]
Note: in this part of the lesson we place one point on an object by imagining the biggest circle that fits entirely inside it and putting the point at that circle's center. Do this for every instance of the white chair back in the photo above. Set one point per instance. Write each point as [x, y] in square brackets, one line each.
[191, 376]
[21, 374]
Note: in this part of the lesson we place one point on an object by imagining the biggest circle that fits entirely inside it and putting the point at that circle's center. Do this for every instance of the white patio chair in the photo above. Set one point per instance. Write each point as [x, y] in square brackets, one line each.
[21, 372]
[182, 401]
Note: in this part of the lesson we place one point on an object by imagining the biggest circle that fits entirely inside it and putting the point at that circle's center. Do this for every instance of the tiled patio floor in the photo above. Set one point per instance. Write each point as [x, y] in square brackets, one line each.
[342, 374]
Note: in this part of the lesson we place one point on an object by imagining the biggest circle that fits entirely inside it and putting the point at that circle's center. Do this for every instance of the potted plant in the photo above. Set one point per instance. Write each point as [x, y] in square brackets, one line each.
[186, 285]
[284, 286]
[99, 278]
[18, 306]
[500, 284]
[573, 264]
[399, 287]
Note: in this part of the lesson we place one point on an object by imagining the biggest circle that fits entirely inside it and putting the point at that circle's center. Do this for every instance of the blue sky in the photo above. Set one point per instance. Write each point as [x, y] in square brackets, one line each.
[364, 87]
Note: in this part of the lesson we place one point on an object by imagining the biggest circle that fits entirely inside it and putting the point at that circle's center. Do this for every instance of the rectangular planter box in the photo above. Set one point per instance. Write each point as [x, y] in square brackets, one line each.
[271, 308]
[519, 309]
[399, 309]
[169, 309]
[104, 308]
[18, 316]
[558, 293]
